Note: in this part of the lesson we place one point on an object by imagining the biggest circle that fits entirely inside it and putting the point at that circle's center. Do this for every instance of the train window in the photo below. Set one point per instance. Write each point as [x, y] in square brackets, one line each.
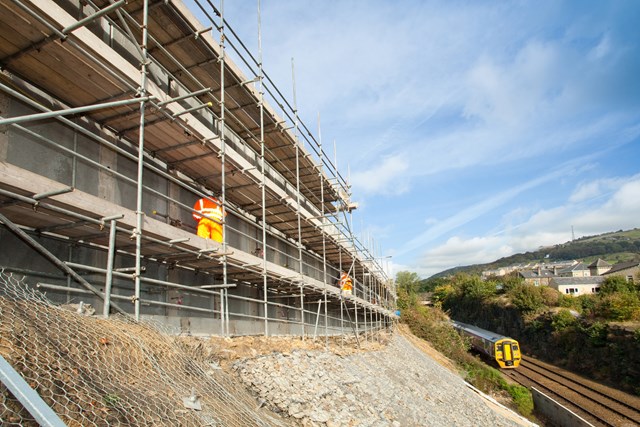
[514, 347]
[499, 347]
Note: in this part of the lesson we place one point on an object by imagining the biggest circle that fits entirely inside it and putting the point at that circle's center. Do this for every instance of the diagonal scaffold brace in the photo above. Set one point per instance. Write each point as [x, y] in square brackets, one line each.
[55, 260]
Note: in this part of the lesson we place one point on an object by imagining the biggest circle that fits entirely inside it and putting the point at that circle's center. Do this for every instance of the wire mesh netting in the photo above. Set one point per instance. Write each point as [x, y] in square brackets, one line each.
[96, 372]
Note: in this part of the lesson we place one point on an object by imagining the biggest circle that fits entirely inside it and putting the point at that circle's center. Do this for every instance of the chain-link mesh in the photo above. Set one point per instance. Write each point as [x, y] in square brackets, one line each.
[95, 372]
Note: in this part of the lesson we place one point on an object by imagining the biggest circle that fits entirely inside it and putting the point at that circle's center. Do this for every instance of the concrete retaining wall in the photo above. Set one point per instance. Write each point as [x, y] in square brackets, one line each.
[554, 411]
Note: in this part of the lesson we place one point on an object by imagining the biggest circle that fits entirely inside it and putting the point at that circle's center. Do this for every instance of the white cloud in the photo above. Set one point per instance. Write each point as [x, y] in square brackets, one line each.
[476, 250]
[621, 210]
[385, 177]
[595, 189]
[479, 209]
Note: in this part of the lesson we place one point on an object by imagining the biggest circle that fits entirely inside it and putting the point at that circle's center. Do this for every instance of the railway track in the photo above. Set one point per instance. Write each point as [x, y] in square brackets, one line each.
[596, 403]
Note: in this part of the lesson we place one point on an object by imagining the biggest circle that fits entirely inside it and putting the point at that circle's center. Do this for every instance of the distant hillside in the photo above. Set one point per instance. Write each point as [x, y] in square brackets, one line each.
[613, 247]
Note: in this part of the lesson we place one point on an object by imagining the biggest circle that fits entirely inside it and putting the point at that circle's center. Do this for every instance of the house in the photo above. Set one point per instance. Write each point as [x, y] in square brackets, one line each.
[576, 270]
[599, 267]
[628, 270]
[499, 272]
[575, 286]
[537, 277]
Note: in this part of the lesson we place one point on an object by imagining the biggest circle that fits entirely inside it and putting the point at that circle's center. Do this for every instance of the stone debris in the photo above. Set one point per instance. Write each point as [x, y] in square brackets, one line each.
[396, 386]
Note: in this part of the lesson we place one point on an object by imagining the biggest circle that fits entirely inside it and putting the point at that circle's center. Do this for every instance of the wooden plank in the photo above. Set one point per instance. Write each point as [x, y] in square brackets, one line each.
[6, 47]
[19, 27]
[56, 71]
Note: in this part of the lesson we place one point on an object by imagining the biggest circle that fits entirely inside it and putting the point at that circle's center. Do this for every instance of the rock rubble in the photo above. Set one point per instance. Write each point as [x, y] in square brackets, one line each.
[396, 386]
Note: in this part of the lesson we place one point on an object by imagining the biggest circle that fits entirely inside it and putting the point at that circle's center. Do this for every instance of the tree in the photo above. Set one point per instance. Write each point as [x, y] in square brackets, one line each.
[527, 298]
[430, 284]
[510, 281]
[620, 306]
[615, 284]
[408, 281]
[563, 320]
[475, 287]
[407, 284]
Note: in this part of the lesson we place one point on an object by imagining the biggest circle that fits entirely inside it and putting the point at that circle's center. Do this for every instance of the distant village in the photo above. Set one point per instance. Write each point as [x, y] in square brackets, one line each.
[569, 277]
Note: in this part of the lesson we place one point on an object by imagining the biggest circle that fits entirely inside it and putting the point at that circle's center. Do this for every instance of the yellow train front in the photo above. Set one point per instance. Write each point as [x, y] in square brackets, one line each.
[504, 350]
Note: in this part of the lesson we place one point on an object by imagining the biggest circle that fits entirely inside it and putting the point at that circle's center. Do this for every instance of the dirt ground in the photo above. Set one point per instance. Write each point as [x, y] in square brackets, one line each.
[226, 350]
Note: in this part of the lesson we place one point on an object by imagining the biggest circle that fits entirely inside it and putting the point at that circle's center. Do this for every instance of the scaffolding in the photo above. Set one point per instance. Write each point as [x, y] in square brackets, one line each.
[139, 111]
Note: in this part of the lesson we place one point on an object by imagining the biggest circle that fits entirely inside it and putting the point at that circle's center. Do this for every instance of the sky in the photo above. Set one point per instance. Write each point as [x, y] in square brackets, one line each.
[469, 130]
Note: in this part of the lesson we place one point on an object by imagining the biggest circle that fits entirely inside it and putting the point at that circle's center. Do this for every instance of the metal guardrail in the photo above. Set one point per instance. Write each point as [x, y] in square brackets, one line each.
[31, 400]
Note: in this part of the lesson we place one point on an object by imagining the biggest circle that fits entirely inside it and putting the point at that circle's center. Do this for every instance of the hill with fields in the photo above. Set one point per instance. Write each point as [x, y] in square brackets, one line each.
[613, 247]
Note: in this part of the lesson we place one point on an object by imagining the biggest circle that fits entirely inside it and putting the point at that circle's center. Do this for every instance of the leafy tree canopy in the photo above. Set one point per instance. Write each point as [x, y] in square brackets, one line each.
[616, 284]
[408, 281]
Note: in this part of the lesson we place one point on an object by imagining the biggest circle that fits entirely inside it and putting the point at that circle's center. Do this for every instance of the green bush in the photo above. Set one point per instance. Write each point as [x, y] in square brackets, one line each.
[409, 281]
[619, 306]
[484, 377]
[568, 301]
[550, 296]
[597, 333]
[406, 299]
[615, 285]
[442, 293]
[588, 304]
[476, 288]
[510, 281]
[527, 298]
[563, 320]
[522, 398]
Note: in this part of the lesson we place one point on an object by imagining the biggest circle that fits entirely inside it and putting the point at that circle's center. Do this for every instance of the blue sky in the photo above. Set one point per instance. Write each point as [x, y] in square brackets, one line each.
[471, 130]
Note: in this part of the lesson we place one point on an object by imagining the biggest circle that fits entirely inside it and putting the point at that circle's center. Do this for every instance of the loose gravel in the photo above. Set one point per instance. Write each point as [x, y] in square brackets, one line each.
[396, 386]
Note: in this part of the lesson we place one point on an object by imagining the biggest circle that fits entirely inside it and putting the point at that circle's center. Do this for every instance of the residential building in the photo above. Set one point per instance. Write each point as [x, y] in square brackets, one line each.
[576, 270]
[537, 277]
[575, 286]
[599, 267]
[628, 270]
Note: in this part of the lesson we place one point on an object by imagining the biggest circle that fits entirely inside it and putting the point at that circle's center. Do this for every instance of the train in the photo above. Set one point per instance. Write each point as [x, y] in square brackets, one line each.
[504, 350]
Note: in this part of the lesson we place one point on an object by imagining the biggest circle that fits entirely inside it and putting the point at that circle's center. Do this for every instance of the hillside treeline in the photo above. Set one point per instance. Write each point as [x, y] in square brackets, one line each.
[614, 247]
[576, 250]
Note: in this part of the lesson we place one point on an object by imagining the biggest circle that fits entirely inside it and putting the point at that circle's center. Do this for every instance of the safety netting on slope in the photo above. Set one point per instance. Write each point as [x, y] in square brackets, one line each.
[96, 372]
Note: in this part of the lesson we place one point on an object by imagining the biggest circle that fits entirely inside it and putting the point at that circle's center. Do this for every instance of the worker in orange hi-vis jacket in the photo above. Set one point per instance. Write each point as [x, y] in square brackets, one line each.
[346, 284]
[208, 213]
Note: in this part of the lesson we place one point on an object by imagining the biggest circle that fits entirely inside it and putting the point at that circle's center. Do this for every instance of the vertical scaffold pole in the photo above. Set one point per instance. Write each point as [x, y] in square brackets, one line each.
[324, 240]
[341, 304]
[364, 307]
[109, 278]
[378, 314]
[297, 142]
[263, 183]
[223, 198]
[139, 213]
[355, 315]
[371, 299]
